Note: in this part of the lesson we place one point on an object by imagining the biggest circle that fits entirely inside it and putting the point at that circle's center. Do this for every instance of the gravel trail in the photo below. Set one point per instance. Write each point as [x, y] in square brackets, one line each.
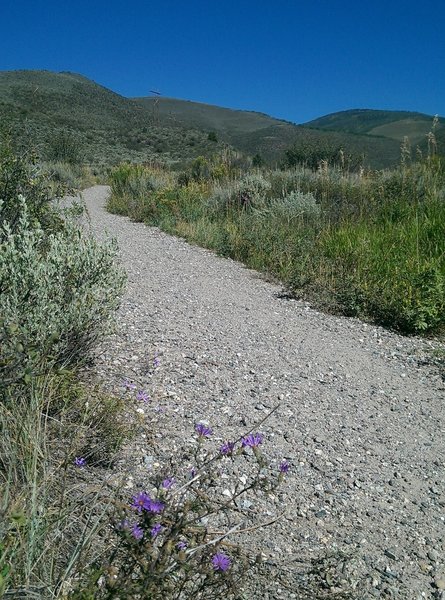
[361, 415]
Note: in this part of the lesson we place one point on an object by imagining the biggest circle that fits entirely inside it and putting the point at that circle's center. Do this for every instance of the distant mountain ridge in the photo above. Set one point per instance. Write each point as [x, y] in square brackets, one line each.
[112, 128]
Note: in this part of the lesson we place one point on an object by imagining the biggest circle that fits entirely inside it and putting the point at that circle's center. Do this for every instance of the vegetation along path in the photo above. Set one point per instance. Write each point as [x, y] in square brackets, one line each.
[360, 417]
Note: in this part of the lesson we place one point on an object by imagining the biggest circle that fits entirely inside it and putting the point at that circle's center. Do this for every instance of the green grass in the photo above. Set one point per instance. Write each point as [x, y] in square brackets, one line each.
[371, 246]
[416, 130]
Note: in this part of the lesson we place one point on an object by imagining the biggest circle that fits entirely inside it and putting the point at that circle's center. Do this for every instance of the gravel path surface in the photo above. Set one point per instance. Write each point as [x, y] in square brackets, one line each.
[361, 416]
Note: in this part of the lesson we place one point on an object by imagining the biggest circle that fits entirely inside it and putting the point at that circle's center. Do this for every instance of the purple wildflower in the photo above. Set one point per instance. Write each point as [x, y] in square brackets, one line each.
[203, 431]
[80, 461]
[156, 530]
[135, 529]
[193, 472]
[227, 448]
[155, 506]
[137, 532]
[129, 385]
[252, 440]
[221, 562]
[156, 361]
[141, 501]
[181, 545]
[284, 467]
[142, 396]
[167, 483]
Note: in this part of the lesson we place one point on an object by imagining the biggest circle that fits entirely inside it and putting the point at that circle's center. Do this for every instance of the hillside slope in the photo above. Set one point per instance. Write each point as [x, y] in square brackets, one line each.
[382, 123]
[109, 128]
[254, 132]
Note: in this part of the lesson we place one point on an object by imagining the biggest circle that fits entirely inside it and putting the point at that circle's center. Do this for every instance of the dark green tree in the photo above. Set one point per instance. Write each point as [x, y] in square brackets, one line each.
[257, 160]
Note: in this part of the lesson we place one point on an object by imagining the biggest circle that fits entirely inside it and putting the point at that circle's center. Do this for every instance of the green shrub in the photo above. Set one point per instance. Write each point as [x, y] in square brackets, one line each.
[132, 186]
[295, 205]
[251, 190]
[58, 290]
[21, 181]
[200, 169]
[257, 161]
[64, 146]
[74, 176]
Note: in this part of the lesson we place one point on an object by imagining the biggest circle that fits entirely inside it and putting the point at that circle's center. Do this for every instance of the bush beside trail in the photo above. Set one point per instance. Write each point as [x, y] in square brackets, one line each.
[59, 288]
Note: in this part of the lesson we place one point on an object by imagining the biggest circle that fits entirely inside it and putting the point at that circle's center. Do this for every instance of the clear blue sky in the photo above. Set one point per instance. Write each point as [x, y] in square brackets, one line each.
[294, 60]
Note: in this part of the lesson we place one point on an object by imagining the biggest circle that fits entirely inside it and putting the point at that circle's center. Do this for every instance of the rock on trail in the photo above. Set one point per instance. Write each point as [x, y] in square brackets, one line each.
[361, 415]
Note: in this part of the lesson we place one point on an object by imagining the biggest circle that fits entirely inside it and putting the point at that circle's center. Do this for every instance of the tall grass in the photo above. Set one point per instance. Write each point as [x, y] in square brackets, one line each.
[368, 244]
[49, 519]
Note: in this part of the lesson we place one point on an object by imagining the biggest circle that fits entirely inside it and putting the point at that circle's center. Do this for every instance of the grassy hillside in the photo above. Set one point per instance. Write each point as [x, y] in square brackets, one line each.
[272, 142]
[208, 117]
[253, 132]
[107, 127]
[55, 110]
[382, 123]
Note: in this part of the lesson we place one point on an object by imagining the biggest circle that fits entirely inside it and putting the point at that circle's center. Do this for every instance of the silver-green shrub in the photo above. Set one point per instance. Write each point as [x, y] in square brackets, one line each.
[57, 290]
[247, 192]
[294, 205]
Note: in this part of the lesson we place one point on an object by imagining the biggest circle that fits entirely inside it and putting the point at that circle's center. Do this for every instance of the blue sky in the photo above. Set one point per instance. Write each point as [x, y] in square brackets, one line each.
[294, 60]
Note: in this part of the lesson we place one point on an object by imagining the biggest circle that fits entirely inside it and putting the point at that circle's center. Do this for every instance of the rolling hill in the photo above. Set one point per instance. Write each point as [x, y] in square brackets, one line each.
[254, 132]
[109, 128]
[381, 123]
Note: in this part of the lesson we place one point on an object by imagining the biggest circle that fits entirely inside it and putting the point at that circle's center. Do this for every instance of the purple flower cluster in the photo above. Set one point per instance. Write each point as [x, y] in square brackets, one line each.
[129, 385]
[221, 562]
[156, 530]
[284, 467]
[203, 431]
[156, 361]
[142, 396]
[168, 483]
[137, 532]
[79, 461]
[133, 528]
[227, 448]
[253, 440]
[142, 501]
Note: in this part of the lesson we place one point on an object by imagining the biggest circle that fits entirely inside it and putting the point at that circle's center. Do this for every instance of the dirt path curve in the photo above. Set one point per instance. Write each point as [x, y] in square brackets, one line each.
[361, 417]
